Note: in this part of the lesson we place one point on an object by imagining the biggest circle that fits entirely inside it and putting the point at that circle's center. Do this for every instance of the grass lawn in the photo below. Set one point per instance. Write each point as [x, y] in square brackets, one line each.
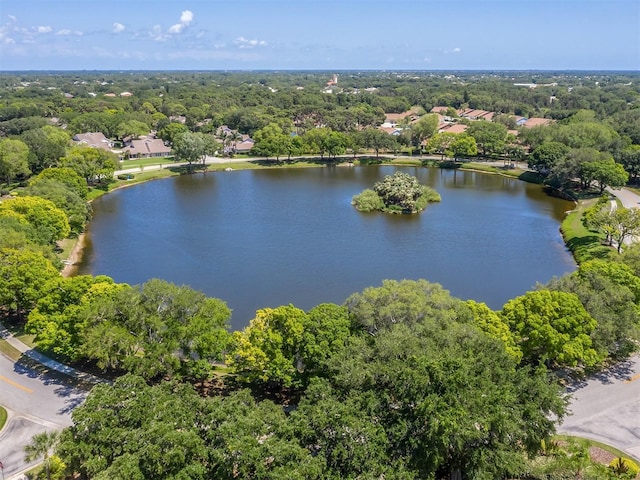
[583, 243]
[3, 417]
[143, 162]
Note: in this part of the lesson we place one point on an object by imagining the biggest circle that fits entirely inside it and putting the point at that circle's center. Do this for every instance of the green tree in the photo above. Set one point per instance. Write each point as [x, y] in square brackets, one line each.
[377, 140]
[155, 329]
[440, 143]
[376, 309]
[56, 320]
[450, 399]
[402, 192]
[47, 145]
[65, 176]
[77, 209]
[23, 276]
[424, 128]
[552, 328]
[607, 173]
[630, 160]
[608, 292]
[93, 164]
[132, 128]
[271, 141]
[463, 146]
[547, 155]
[49, 221]
[172, 132]
[492, 324]
[40, 448]
[490, 137]
[14, 156]
[270, 348]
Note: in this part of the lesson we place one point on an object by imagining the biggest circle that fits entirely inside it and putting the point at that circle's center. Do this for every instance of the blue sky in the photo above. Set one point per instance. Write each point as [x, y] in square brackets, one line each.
[324, 35]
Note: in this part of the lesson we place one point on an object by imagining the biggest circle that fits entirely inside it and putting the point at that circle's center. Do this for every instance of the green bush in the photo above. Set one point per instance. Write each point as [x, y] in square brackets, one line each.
[367, 201]
[624, 466]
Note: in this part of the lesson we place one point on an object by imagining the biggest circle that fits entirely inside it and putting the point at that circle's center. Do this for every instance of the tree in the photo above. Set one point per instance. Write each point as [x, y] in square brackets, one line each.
[193, 147]
[14, 156]
[400, 193]
[56, 320]
[608, 291]
[47, 145]
[77, 209]
[424, 128]
[172, 132]
[40, 447]
[618, 225]
[93, 164]
[49, 221]
[547, 155]
[23, 276]
[440, 143]
[132, 128]
[490, 137]
[553, 328]
[463, 146]
[378, 308]
[449, 399]
[492, 324]
[607, 173]
[630, 160]
[65, 176]
[377, 140]
[271, 141]
[155, 329]
[269, 349]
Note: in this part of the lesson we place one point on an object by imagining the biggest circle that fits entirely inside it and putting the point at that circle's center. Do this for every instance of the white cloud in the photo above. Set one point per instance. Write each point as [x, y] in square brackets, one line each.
[43, 29]
[13, 18]
[118, 27]
[242, 42]
[66, 31]
[185, 19]
[456, 50]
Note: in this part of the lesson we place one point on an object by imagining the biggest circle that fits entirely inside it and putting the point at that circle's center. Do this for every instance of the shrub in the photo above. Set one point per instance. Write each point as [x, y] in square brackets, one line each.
[367, 201]
[624, 466]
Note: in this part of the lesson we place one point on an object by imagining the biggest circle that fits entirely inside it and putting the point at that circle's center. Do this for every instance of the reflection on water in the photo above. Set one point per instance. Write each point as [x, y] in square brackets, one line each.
[259, 238]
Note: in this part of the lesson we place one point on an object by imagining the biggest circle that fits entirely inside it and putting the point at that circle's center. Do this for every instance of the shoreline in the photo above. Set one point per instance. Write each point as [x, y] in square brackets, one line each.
[71, 263]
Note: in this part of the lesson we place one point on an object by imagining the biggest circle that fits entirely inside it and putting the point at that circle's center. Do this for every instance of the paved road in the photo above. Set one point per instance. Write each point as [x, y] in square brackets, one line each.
[606, 408]
[35, 402]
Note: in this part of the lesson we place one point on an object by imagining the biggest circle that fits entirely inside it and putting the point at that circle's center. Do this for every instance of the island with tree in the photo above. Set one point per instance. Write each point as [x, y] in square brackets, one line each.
[397, 193]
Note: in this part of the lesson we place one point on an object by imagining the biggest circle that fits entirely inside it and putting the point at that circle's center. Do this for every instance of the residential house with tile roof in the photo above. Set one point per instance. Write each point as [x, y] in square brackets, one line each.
[93, 139]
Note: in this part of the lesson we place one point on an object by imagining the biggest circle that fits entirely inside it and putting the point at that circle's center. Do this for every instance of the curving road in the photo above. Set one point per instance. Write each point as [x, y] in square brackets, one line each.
[36, 400]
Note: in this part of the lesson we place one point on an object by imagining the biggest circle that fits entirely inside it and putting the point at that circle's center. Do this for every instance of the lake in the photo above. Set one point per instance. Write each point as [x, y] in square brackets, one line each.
[264, 238]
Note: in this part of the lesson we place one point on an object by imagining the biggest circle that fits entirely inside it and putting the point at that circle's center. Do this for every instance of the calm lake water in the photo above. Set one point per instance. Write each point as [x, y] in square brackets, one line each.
[264, 238]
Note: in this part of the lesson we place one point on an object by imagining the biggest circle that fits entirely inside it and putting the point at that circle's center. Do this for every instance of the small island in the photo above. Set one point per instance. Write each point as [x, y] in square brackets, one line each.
[397, 193]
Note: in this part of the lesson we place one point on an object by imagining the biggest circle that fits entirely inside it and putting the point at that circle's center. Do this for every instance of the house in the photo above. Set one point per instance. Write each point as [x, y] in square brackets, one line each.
[392, 119]
[146, 147]
[440, 109]
[453, 128]
[126, 94]
[392, 131]
[537, 122]
[473, 114]
[93, 139]
[244, 145]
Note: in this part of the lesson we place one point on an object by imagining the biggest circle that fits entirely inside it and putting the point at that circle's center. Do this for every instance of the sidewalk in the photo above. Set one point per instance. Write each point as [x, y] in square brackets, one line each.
[26, 350]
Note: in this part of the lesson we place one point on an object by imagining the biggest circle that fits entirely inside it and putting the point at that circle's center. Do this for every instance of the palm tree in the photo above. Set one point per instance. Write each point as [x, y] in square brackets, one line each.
[40, 446]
